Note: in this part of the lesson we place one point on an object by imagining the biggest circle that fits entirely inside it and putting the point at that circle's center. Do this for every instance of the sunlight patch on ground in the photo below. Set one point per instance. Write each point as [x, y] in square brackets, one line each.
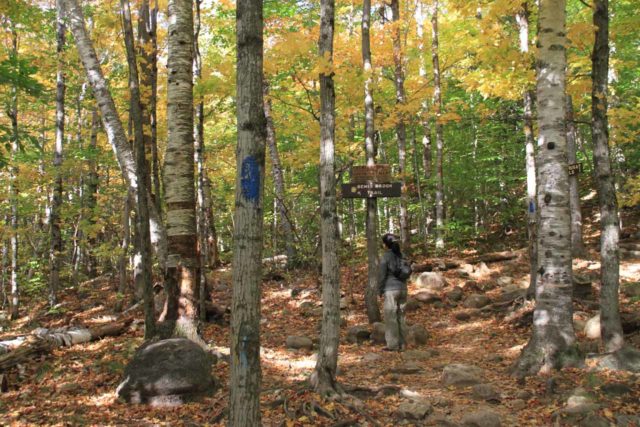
[515, 350]
[469, 326]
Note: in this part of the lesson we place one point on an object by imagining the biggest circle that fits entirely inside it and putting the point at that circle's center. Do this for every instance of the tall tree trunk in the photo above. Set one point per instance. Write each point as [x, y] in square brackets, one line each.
[278, 180]
[323, 378]
[522, 18]
[181, 279]
[401, 132]
[611, 329]
[56, 202]
[123, 277]
[552, 342]
[13, 189]
[437, 103]
[248, 218]
[111, 121]
[577, 243]
[371, 293]
[4, 258]
[142, 263]
[91, 192]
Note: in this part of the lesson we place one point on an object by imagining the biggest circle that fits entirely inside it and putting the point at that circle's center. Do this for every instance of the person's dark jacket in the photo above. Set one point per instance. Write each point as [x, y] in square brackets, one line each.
[387, 281]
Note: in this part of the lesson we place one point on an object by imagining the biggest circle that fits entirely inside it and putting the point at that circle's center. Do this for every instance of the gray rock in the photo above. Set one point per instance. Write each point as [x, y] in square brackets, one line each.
[377, 333]
[485, 392]
[580, 320]
[625, 420]
[297, 342]
[524, 395]
[481, 269]
[306, 306]
[417, 335]
[504, 281]
[430, 281]
[631, 289]
[462, 273]
[463, 316]
[371, 357]
[441, 420]
[593, 420]
[518, 405]
[592, 328]
[419, 355]
[344, 303]
[358, 334]
[481, 418]
[495, 358]
[414, 410]
[167, 373]
[476, 301]
[441, 402]
[616, 389]
[406, 369]
[427, 297]
[412, 304]
[461, 375]
[455, 294]
[68, 388]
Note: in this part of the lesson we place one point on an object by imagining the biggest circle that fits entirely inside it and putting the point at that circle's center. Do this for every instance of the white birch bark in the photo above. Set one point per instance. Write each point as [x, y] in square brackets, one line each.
[437, 104]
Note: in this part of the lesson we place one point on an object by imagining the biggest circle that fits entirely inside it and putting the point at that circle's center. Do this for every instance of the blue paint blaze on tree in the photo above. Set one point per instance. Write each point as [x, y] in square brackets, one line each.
[250, 179]
[532, 207]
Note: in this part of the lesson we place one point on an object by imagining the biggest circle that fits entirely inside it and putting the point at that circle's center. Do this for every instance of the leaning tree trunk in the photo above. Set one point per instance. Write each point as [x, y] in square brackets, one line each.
[611, 329]
[56, 200]
[278, 180]
[371, 293]
[552, 342]
[437, 104]
[142, 263]
[522, 18]
[111, 120]
[244, 400]
[577, 243]
[181, 278]
[323, 378]
[401, 131]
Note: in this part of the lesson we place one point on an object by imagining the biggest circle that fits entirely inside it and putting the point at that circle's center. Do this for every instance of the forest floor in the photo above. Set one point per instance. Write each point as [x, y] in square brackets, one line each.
[76, 385]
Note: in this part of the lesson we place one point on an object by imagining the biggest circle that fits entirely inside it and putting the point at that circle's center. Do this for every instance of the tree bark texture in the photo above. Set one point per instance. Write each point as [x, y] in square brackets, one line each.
[324, 377]
[181, 279]
[552, 342]
[278, 180]
[577, 243]
[142, 269]
[244, 400]
[611, 330]
[401, 131]
[110, 119]
[56, 199]
[371, 292]
[13, 191]
[91, 191]
[437, 104]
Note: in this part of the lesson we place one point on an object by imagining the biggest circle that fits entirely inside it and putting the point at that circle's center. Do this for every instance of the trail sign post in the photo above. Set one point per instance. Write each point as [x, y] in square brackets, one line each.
[371, 182]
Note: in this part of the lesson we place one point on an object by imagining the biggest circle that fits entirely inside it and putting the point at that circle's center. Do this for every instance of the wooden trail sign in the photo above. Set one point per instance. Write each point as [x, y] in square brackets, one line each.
[375, 173]
[575, 169]
[371, 190]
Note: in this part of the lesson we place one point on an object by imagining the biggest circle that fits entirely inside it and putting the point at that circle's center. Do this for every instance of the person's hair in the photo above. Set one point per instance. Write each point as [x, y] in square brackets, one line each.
[391, 241]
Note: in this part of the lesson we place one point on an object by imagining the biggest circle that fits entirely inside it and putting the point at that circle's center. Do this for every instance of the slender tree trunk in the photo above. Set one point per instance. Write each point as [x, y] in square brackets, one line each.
[182, 277]
[13, 190]
[437, 103]
[110, 119]
[371, 293]
[401, 132]
[323, 378]
[244, 400]
[91, 192]
[611, 329]
[142, 263]
[278, 180]
[4, 254]
[124, 248]
[577, 243]
[522, 18]
[552, 342]
[56, 202]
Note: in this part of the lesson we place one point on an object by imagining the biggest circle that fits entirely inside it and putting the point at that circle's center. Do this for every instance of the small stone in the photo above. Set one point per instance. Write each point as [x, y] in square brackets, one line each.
[476, 301]
[616, 389]
[441, 402]
[593, 420]
[461, 375]
[417, 335]
[297, 342]
[481, 418]
[504, 281]
[524, 395]
[419, 355]
[407, 369]
[68, 388]
[412, 304]
[580, 320]
[441, 420]
[485, 392]
[427, 297]
[439, 304]
[518, 405]
[460, 272]
[592, 328]
[377, 333]
[455, 294]
[358, 334]
[430, 281]
[495, 358]
[306, 306]
[481, 269]
[344, 304]
[371, 357]
[414, 410]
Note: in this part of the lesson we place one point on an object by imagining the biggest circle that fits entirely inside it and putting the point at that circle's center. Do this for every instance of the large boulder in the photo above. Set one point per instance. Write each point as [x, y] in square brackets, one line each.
[431, 281]
[297, 342]
[461, 375]
[481, 418]
[167, 373]
[358, 334]
[476, 301]
[417, 335]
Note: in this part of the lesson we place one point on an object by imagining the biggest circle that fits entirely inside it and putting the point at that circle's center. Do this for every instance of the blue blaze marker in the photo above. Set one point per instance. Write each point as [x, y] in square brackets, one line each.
[532, 208]
[250, 179]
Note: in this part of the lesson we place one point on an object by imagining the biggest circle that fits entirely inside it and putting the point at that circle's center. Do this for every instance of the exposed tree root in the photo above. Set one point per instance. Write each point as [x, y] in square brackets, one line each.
[625, 359]
[537, 359]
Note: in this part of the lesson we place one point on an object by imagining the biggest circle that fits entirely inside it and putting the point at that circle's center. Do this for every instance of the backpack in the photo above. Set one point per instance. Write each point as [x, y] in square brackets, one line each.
[403, 269]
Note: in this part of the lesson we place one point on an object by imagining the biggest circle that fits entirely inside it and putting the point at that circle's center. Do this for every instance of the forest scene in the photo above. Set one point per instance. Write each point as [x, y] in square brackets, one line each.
[320, 213]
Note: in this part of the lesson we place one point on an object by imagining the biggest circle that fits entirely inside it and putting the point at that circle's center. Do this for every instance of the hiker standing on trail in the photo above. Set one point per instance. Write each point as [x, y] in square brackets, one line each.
[392, 283]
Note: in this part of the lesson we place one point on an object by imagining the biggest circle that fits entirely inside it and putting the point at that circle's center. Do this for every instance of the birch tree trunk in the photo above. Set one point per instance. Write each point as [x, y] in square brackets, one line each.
[244, 400]
[577, 243]
[110, 119]
[522, 18]
[56, 201]
[13, 191]
[278, 180]
[552, 342]
[401, 132]
[437, 103]
[371, 293]
[91, 192]
[181, 279]
[611, 329]
[142, 263]
[323, 378]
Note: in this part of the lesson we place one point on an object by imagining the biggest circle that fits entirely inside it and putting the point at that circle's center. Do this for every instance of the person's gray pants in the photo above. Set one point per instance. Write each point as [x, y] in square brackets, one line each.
[394, 324]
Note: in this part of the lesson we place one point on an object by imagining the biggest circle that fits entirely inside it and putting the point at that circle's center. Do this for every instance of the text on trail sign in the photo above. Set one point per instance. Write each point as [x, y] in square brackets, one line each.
[371, 190]
[575, 169]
